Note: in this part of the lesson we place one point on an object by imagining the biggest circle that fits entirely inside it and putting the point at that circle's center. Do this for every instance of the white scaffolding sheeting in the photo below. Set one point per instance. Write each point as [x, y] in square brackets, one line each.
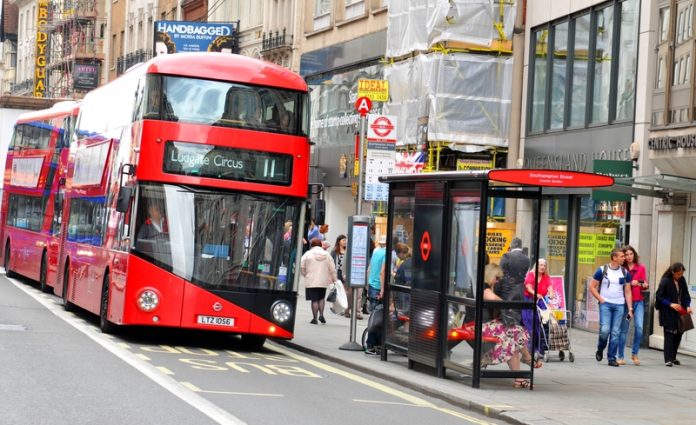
[466, 99]
[466, 21]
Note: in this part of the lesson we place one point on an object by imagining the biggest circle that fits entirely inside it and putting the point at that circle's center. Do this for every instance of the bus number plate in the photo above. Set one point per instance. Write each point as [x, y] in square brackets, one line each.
[216, 321]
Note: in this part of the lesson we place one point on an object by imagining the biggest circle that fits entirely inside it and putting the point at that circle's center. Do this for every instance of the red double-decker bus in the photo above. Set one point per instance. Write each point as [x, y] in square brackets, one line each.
[32, 201]
[185, 197]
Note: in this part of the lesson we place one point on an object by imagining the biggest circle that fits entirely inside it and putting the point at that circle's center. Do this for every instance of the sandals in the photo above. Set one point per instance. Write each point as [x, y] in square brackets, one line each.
[521, 383]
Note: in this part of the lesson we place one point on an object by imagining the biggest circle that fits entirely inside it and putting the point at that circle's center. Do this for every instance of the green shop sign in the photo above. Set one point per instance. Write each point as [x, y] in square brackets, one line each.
[616, 169]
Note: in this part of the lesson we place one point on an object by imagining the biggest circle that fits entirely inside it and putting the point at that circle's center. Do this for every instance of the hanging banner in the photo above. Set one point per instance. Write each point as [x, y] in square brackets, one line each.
[409, 162]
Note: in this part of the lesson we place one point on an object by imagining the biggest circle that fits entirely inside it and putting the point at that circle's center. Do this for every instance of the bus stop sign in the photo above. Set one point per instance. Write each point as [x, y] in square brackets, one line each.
[363, 105]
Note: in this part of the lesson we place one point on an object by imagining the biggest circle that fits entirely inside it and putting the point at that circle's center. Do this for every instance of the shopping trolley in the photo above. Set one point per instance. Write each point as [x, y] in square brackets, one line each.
[554, 332]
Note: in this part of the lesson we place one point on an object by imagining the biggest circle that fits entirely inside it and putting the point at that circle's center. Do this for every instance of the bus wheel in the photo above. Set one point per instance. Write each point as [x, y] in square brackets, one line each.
[253, 341]
[104, 324]
[42, 274]
[8, 270]
[67, 305]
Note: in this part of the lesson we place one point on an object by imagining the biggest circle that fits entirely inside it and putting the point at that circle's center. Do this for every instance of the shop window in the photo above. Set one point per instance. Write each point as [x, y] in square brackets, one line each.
[626, 73]
[539, 83]
[558, 77]
[603, 55]
[580, 68]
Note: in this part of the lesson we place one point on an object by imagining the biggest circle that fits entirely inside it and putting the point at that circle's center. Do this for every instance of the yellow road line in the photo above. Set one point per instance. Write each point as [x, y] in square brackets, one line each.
[412, 400]
[164, 370]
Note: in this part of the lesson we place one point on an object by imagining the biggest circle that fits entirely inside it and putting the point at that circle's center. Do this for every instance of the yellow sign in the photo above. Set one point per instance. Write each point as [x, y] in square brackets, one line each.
[375, 90]
[604, 244]
[586, 248]
[498, 242]
[40, 59]
[556, 245]
[474, 164]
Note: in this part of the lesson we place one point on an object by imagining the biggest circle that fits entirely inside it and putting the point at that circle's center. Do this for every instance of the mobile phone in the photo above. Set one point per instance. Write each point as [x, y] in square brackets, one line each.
[628, 317]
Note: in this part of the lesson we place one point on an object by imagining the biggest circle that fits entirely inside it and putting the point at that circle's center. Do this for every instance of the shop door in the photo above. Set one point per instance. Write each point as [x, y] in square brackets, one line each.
[689, 340]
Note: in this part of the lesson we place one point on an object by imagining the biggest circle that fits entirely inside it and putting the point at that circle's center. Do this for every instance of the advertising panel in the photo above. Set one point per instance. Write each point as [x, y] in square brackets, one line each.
[86, 76]
[181, 36]
[41, 43]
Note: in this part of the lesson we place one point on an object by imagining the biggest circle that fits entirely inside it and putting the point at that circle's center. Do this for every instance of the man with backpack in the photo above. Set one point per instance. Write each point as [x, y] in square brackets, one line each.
[611, 286]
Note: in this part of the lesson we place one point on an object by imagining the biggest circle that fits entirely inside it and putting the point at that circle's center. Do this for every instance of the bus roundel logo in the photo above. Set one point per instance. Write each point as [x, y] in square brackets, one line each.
[217, 306]
[425, 246]
[382, 126]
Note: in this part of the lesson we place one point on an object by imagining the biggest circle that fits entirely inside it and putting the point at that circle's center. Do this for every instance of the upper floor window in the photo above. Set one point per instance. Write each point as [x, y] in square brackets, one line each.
[322, 14]
[354, 8]
[664, 24]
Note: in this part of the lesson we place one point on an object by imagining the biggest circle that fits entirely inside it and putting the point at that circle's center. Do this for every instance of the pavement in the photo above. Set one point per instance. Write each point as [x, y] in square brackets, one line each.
[582, 392]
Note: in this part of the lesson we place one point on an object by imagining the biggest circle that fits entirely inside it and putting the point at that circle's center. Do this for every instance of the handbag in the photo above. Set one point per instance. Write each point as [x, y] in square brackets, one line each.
[331, 296]
[686, 323]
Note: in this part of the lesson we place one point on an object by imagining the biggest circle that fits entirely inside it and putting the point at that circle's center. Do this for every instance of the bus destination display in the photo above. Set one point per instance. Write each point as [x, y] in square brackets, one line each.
[192, 159]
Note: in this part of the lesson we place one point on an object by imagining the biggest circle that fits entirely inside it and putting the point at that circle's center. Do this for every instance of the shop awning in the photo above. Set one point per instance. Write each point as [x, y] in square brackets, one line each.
[656, 186]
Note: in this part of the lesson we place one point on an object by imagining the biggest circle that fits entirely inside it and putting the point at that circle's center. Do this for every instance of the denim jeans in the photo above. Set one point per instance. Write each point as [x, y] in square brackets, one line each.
[638, 311]
[610, 317]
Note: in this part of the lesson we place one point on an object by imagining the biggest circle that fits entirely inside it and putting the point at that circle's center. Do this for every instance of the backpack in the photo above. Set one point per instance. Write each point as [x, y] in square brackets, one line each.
[604, 274]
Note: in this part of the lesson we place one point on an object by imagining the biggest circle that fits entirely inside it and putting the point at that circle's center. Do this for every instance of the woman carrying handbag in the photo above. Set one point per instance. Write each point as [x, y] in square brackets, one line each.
[672, 300]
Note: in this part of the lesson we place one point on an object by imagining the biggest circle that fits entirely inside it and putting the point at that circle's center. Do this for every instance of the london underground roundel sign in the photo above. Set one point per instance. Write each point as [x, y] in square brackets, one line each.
[550, 178]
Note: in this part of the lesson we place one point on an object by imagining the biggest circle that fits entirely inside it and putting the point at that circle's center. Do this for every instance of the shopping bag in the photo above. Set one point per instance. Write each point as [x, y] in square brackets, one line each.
[341, 296]
[374, 323]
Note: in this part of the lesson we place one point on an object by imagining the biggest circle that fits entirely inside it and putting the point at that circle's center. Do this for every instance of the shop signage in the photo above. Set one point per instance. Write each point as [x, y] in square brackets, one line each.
[550, 178]
[615, 169]
[41, 43]
[375, 90]
[86, 76]
[586, 248]
[474, 164]
[666, 143]
[498, 242]
[556, 245]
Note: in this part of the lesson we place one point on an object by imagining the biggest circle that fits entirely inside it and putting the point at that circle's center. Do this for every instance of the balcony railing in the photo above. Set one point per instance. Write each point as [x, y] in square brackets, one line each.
[125, 62]
[23, 87]
[270, 41]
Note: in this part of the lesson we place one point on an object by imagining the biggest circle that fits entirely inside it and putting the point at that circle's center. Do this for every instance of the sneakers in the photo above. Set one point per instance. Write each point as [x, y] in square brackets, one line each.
[668, 364]
[636, 360]
[321, 319]
[599, 355]
[676, 362]
[372, 352]
[621, 362]
[613, 363]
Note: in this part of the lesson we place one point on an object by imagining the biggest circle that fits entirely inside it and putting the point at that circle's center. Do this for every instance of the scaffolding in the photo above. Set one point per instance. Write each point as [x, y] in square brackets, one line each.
[75, 48]
[449, 66]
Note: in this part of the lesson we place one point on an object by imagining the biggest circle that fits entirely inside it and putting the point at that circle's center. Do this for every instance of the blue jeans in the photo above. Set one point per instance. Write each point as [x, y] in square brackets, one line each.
[610, 317]
[638, 310]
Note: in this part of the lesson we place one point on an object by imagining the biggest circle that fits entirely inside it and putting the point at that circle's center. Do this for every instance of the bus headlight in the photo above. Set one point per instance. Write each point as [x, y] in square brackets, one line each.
[148, 300]
[281, 311]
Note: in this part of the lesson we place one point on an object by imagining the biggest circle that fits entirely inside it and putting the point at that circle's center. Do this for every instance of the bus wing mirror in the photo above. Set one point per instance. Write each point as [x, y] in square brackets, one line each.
[318, 211]
[124, 197]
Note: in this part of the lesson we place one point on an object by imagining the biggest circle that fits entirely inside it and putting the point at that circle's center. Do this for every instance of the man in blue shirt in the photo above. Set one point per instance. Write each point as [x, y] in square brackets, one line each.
[611, 286]
[375, 287]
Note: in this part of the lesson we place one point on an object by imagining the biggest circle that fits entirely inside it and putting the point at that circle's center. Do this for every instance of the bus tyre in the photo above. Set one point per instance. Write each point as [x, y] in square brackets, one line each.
[104, 324]
[8, 270]
[42, 275]
[67, 305]
[253, 341]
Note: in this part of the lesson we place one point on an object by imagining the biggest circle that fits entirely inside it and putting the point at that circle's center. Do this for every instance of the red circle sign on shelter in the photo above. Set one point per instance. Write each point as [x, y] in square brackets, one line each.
[382, 127]
[363, 105]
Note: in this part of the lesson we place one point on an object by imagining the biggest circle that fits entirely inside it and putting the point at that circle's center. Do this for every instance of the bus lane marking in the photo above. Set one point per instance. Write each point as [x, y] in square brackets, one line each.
[194, 388]
[203, 405]
[412, 400]
[231, 361]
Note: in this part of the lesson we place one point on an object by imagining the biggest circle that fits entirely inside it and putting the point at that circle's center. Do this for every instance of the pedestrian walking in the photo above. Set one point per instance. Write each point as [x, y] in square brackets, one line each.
[639, 283]
[611, 286]
[319, 272]
[672, 299]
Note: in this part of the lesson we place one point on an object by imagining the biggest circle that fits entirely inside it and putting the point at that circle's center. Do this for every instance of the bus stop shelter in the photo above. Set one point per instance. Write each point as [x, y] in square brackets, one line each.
[436, 311]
